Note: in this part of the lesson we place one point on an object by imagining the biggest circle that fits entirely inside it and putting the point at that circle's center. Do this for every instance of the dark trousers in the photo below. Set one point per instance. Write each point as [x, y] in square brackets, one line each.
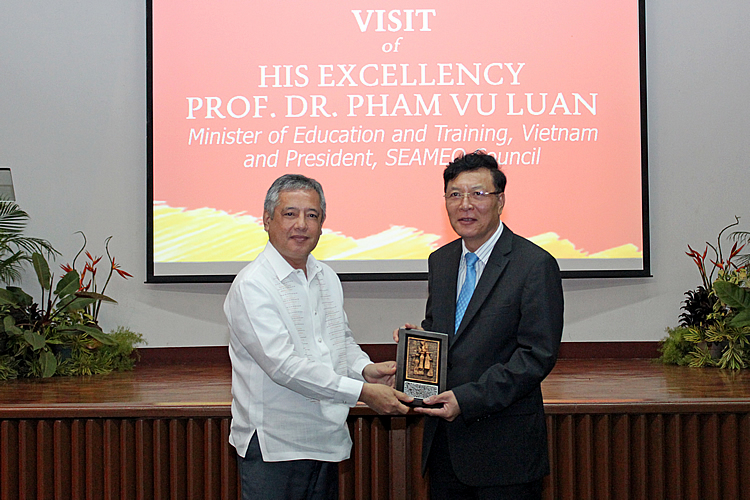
[290, 480]
[444, 485]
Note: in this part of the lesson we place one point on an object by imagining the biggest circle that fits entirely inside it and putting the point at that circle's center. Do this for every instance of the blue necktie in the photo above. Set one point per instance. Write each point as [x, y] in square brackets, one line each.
[467, 289]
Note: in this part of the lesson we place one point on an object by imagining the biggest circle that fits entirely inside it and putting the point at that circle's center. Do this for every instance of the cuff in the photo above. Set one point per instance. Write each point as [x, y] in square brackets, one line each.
[350, 390]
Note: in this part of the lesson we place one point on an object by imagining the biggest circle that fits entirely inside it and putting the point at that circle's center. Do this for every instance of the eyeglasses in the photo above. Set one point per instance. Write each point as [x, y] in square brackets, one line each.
[473, 196]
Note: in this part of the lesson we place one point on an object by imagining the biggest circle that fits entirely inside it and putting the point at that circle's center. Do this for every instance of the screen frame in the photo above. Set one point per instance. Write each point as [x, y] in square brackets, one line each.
[153, 277]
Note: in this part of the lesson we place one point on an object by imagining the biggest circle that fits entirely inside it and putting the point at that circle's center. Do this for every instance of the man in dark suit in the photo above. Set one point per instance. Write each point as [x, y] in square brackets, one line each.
[487, 438]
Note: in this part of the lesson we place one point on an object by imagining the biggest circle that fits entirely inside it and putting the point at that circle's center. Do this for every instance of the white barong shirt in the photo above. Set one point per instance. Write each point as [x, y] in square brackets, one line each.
[296, 368]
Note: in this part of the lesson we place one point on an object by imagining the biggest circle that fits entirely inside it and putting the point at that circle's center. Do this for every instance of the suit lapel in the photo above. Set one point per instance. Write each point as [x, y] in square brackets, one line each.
[493, 270]
[445, 280]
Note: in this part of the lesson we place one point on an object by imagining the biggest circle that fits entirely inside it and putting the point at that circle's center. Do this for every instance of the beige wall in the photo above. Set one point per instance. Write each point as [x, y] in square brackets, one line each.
[72, 128]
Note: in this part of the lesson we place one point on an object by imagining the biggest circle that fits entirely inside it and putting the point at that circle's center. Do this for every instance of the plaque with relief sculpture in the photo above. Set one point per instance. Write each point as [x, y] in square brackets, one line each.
[422, 360]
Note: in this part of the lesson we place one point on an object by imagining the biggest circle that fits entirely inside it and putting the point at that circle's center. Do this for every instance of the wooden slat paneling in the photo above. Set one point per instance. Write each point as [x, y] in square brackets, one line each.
[602, 456]
[378, 475]
[701, 456]
[127, 456]
[9, 454]
[212, 438]
[27, 459]
[45, 457]
[62, 467]
[230, 483]
[418, 485]
[743, 437]
[144, 465]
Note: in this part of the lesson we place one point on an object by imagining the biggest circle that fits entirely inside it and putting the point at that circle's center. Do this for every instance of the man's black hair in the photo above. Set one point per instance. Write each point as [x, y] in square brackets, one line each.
[474, 161]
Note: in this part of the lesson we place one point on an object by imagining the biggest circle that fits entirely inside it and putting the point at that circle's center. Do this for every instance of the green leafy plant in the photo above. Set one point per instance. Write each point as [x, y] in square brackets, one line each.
[15, 248]
[715, 324]
[675, 349]
[119, 355]
[61, 335]
[737, 298]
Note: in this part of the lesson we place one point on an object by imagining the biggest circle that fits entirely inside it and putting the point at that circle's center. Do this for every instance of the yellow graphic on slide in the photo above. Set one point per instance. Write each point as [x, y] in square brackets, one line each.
[209, 235]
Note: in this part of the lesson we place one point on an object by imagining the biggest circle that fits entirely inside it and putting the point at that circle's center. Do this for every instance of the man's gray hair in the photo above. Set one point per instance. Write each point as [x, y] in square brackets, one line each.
[293, 182]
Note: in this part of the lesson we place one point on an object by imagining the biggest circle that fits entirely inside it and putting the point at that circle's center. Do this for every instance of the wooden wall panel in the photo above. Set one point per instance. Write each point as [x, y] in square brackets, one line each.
[646, 456]
[593, 456]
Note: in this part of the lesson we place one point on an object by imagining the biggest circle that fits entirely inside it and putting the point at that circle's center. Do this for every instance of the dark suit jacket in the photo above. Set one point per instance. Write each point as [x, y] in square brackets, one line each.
[506, 344]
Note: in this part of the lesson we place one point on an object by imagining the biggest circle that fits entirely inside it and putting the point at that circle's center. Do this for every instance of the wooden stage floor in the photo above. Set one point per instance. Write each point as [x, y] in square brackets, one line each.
[574, 386]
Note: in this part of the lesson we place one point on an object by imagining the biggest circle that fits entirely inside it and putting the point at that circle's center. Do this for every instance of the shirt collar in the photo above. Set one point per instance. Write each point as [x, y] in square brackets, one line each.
[283, 269]
[484, 251]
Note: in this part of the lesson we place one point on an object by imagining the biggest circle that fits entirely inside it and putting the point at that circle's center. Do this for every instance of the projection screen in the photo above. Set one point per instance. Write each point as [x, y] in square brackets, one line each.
[373, 99]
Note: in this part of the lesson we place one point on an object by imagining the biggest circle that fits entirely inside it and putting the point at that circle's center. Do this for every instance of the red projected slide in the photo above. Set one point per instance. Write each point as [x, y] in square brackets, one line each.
[373, 99]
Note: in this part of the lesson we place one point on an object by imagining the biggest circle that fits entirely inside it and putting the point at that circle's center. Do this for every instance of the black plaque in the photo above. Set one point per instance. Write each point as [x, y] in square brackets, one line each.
[422, 363]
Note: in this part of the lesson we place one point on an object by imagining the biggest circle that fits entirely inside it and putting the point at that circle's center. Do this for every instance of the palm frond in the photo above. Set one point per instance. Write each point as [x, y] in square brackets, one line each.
[10, 267]
[744, 238]
[12, 218]
[30, 245]
[15, 248]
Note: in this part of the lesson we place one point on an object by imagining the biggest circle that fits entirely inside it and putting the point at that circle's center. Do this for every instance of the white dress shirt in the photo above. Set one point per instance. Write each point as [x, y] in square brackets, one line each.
[483, 256]
[296, 368]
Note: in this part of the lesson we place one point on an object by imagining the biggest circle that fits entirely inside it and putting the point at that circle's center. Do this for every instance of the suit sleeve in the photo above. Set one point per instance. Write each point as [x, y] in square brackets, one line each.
[427, 321]
[538, 336]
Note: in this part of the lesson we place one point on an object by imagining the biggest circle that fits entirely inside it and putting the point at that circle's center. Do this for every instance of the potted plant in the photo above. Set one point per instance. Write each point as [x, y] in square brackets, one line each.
[60, 335]
[714, 327]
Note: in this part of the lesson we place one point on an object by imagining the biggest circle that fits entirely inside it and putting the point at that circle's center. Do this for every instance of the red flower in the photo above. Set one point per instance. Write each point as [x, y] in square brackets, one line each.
[116, 267]
[124, 274]
[90, 267]
[83, 277]
[735, 251]
[94, 260]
